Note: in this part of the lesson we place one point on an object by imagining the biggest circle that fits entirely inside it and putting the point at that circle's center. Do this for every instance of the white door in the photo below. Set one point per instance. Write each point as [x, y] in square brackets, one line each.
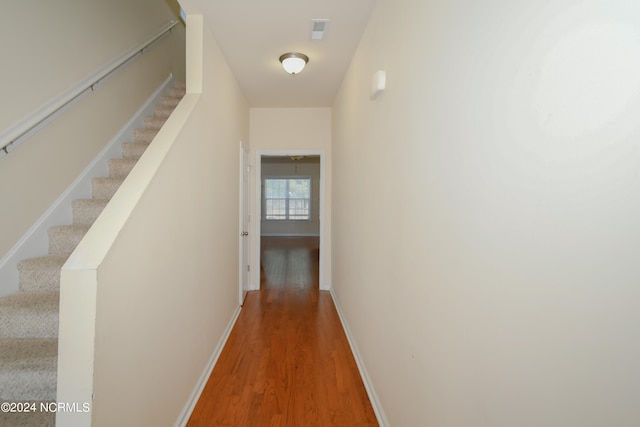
[244, 223]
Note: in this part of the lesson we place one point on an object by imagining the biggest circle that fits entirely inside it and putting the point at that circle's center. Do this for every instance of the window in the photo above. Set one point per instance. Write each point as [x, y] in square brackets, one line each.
[287, 198]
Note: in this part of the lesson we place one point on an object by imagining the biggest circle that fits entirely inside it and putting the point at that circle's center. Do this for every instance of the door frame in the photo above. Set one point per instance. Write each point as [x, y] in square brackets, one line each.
[244, 225]
[257, 211]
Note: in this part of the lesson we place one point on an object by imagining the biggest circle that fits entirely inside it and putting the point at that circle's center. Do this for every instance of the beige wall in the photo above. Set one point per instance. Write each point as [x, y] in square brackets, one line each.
[486, 212]
[286, 130]
[165, 257]
[47, 48]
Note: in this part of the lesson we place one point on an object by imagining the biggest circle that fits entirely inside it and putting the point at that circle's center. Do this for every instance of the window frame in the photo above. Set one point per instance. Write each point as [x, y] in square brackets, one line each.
[286, 177]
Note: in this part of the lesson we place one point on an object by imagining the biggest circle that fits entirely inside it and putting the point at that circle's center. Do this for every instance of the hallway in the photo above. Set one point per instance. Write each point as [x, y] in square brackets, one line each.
[287, 361]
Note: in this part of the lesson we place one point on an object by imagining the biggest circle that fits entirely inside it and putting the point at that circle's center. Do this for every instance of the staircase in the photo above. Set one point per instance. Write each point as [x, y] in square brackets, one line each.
[29, 318]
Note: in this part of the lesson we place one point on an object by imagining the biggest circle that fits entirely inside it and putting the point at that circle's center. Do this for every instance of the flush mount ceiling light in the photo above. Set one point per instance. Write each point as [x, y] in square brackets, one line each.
[293, 62]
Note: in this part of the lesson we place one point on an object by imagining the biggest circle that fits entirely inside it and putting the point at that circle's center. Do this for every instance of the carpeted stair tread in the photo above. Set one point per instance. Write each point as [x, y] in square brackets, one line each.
[30, 315]
[63, 239]
[43, 262]
[28, 369]
[177, 91]
[120, 168]
[170, 101]
[85, 211]
[105, 188]
[41, 273]
[29, 419]
[153, 122]
[133, 150]
[162, 111]
[145, 135]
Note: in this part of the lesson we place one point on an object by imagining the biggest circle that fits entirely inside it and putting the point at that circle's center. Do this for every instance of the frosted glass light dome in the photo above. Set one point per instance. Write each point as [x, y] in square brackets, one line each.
[293, 62]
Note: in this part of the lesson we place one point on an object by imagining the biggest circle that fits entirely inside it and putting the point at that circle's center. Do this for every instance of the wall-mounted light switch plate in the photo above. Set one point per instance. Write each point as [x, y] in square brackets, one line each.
[378, 83]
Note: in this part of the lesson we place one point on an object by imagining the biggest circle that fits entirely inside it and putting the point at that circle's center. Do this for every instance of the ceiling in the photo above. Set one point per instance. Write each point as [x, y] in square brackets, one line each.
[252, 34]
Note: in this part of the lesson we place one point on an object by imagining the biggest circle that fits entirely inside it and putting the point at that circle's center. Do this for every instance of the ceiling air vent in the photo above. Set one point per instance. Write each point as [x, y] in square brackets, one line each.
[318, 28]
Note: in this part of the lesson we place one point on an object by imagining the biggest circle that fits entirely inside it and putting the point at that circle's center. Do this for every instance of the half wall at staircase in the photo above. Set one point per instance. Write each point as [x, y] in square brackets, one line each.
[148, 295]
[47, 48]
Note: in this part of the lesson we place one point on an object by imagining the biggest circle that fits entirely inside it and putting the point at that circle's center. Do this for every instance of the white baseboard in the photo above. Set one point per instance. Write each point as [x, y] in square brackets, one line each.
[183, 419]
[373, 397]
[35, 242]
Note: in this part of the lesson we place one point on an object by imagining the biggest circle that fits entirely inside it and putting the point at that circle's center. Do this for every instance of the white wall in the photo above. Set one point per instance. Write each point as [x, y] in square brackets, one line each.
[149, 294]
[486, 214]
[307, 167]
[47, 48]
[282, 131]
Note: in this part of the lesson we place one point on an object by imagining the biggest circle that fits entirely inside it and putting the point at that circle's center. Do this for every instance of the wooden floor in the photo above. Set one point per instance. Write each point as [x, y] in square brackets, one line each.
[287, 361]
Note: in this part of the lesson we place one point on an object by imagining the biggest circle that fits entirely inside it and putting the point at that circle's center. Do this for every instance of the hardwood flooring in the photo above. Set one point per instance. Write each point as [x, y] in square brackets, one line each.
[287, 361]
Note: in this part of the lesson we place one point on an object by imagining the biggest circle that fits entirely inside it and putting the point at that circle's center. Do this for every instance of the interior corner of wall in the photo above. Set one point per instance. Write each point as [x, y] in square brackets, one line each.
[194, 53]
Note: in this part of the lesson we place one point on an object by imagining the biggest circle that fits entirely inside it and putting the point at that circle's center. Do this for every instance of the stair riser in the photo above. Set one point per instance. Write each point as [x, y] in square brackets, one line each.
[42, 273]
[177, 92]
[153, 123]
[133, 150]
[145, 135]
[42, 387]
[40, 280]
[29, 324]
[105, 188]
[64, 241]
[87, 214]
[120, 168]
[27, 373]
[162, 111]
[170, 101]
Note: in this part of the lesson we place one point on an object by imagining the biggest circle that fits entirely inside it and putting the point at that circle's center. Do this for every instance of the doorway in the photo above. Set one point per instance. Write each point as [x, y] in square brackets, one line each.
[290, 207]
[244, 209]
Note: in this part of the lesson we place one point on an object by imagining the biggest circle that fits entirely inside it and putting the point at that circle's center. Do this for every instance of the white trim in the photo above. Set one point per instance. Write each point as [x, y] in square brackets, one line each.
[243, 241]
[35, 242]
[368, 385]
[257, 212]
[184, 416]
[241, 207]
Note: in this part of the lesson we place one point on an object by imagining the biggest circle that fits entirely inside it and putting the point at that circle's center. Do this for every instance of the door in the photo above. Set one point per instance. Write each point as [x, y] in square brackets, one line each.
[244, 223]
